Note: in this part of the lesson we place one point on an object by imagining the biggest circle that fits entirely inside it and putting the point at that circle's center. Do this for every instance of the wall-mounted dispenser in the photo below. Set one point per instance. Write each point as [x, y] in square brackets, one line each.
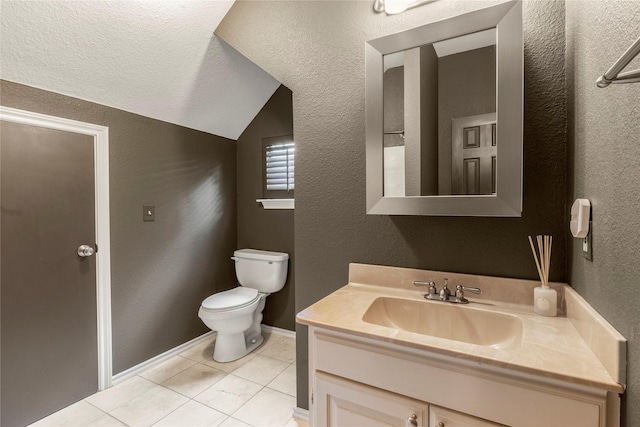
[580, 215]
[580, 225]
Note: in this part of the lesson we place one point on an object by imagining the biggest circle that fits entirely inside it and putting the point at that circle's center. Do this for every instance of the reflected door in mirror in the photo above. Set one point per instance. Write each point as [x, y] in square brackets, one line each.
[473, 160]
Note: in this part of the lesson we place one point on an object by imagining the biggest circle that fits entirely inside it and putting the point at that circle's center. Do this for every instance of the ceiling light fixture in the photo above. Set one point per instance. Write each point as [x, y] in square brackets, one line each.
[393, 7]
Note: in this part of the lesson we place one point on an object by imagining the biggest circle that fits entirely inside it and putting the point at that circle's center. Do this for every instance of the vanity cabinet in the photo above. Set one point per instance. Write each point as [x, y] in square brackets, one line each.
[347, 403]
[442, 417]
[359, 381]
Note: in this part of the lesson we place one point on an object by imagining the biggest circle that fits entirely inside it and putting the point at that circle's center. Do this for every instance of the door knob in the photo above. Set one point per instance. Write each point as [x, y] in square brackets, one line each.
[85, 251]
[412, 421]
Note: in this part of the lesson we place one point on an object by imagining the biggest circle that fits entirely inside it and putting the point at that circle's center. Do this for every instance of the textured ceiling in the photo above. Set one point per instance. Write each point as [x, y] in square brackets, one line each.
[156, 58]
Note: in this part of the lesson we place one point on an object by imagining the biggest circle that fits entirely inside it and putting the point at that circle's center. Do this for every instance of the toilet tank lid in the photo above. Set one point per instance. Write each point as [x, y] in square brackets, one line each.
[261, 255]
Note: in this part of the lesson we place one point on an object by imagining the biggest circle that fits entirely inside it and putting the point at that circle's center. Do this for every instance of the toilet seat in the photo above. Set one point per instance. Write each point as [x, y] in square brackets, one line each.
[232, 299]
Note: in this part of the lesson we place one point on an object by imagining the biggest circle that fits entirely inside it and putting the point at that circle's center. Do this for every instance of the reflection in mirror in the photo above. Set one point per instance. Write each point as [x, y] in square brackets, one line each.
[439, 117]
[444, 115]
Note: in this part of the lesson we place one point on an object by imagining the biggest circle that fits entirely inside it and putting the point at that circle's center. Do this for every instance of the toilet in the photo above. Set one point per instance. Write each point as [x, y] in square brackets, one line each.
[236, 314]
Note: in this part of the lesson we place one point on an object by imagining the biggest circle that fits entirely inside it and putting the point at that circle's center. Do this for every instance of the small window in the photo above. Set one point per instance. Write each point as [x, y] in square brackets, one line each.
[279, 157]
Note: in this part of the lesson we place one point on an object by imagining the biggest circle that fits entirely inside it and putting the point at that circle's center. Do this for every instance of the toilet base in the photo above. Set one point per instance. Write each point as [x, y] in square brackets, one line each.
[233, 346]
[230, 347]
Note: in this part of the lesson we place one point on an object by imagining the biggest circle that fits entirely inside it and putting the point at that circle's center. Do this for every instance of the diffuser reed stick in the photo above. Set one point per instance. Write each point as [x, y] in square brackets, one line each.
[542, 257]
[545, 299]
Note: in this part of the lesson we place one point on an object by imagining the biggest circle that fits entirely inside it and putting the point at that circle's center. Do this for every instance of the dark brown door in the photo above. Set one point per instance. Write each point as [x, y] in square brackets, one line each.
[48, 292]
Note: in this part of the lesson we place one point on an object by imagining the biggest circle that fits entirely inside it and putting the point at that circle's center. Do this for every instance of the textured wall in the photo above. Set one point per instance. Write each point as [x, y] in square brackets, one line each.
[316, 48]
[604, 166]
[266, 229]
[160, 271]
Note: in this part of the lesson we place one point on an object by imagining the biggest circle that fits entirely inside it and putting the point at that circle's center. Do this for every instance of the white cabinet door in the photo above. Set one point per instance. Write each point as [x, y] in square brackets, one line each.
[343, 403]
[441, 417]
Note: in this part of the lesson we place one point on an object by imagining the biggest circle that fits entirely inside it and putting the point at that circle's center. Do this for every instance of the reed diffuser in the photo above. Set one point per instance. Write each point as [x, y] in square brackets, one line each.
[545, 299]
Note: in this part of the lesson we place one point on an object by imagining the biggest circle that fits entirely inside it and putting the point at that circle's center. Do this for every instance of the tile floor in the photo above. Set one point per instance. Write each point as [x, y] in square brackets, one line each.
[193, 390]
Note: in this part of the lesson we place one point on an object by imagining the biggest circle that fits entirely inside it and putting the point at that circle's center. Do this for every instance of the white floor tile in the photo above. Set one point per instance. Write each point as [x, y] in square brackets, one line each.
[107, 421]
[201, 352]
[229, 367]
[192, 414]
[111, 398]
[219, 399]
[232, 422]
[167, 369]
[261, 369]
[285, 382]
[267, 408]
[280, 348]
[269, 339]
[228, 394]
[296, 423]
[79, 414]
[150, 407]
[194, 380]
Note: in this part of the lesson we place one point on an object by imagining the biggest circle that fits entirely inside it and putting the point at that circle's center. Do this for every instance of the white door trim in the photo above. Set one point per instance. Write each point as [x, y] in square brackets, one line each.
[103, 256]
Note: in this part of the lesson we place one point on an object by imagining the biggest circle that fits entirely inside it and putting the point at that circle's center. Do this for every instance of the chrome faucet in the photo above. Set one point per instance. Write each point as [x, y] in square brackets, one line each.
[460, 290]
[444, 294]
[431, 285]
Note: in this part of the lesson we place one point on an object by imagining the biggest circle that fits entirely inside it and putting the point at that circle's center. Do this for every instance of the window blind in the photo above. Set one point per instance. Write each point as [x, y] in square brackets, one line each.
[280, 166]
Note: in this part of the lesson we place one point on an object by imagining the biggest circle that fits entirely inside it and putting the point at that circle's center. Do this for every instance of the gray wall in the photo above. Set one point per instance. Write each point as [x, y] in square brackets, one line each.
[316, 48]
[266, 229]
[604, 166]
[160, 271]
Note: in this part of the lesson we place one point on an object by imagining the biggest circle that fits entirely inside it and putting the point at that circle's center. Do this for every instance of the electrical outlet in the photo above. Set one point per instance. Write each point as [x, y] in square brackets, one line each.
[586, 244]
[148, 213]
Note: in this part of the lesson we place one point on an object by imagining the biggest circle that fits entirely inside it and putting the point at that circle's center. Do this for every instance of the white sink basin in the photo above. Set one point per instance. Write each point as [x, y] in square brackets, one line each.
[445, 320]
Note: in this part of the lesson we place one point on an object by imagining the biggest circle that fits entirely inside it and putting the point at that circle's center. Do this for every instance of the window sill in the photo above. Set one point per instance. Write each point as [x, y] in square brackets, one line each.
[277, 203]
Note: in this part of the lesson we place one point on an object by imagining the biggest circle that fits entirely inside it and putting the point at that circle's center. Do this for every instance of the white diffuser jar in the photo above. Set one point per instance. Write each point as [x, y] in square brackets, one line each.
[545, 301]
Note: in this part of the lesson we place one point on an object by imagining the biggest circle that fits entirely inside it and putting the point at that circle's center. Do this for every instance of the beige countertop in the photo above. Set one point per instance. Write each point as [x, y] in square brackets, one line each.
[550, 347]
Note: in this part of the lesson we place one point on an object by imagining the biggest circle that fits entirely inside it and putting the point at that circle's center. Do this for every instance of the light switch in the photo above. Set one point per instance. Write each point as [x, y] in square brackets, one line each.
[148, 213]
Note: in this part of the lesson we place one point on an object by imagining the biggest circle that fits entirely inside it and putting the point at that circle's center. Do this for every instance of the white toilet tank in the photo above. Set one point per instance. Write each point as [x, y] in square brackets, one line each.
[262, 270]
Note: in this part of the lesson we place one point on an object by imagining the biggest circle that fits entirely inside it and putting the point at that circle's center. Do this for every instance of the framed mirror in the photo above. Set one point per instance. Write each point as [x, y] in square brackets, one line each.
[444, 117]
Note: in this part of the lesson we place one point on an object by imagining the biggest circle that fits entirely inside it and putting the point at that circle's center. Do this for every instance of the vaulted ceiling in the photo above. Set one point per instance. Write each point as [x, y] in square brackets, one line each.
[156, 58]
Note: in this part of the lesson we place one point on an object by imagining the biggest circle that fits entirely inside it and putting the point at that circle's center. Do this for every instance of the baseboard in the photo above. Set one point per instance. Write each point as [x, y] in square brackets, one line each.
[301, 414]
[154, 361]
[278, 331]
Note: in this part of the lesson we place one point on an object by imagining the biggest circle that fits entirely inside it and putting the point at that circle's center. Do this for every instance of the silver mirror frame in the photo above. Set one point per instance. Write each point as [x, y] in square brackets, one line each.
[507, 202]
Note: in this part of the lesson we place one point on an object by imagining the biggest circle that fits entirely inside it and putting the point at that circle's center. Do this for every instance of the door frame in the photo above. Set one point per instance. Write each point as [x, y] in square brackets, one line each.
[100, 136]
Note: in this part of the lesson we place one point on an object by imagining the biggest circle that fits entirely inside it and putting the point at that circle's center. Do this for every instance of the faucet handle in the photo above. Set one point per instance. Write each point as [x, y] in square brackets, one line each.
[460, 292]
[431, 285]
[420, 283]
[462, 288]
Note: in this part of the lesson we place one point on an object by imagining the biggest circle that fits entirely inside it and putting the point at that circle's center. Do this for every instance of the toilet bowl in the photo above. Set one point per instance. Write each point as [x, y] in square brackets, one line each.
[236, 314]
